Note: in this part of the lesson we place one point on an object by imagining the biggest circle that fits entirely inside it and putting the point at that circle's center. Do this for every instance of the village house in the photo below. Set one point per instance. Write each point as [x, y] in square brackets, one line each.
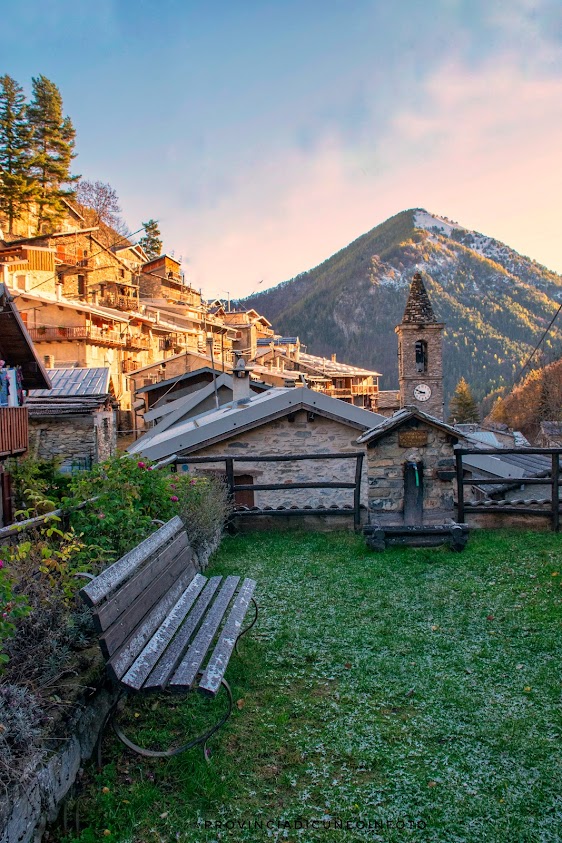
[74, 420]
[280, 422]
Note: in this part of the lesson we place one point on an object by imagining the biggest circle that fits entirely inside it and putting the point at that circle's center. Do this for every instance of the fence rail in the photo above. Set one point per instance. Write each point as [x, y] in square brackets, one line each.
[549, 508]
[277, 487]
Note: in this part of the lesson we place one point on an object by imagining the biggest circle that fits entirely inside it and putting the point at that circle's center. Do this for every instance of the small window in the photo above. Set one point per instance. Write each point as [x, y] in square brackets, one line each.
[21, 282]
[81, 285]
[421, 356]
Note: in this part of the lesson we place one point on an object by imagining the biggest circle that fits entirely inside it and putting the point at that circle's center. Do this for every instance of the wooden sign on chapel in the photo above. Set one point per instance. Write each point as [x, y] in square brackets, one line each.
[412, 438]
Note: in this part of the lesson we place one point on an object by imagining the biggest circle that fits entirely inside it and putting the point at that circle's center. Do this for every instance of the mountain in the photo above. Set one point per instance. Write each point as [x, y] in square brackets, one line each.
[496, 304]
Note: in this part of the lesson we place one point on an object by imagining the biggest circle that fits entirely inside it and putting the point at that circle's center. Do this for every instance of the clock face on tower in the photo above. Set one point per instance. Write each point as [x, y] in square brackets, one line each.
[422, 392]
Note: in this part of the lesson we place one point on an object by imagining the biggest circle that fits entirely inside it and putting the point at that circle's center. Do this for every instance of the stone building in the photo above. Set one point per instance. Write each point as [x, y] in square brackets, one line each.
[411, 469]
[75, 419]
[280, 422]
[420, 353]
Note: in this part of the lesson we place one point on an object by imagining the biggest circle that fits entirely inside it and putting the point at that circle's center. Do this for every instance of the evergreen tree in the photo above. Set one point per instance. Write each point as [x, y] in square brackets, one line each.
[16, 184]
[52, 143]
[463, 407]
[151, 242]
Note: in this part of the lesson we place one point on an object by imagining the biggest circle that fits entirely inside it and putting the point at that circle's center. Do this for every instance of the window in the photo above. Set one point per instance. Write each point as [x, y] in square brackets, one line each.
[421, 356]
[81, 285]
[21, 282]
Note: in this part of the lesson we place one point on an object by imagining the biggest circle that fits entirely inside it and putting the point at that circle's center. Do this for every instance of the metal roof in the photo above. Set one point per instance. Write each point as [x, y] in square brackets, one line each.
[235, 417]
[75, 382]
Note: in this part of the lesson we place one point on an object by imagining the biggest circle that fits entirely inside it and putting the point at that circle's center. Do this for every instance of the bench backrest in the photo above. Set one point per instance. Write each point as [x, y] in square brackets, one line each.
[131, 598]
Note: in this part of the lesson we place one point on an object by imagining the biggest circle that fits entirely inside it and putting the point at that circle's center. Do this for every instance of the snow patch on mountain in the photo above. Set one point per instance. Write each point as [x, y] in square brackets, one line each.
[429, 222]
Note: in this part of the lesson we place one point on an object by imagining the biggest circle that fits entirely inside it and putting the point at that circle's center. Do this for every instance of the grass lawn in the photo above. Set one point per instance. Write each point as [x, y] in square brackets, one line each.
[418, 691]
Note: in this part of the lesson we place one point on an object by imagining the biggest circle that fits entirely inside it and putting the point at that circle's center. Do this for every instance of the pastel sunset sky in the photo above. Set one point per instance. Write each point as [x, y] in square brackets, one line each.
[264, 136]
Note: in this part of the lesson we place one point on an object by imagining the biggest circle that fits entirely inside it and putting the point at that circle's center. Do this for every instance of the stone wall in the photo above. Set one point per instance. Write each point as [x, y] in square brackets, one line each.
[284, 437]
[77, 437]
[386, 459]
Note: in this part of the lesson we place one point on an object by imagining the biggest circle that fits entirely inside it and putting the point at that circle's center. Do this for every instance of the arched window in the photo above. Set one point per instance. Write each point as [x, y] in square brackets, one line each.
[421, 356]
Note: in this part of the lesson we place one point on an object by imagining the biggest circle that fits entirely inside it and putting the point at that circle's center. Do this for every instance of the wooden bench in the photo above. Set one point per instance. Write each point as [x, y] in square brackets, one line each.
[157, 620]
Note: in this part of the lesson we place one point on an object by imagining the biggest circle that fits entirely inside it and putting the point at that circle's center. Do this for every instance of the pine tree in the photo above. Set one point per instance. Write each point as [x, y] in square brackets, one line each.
[151, 242]
[16, 184]
[463, 407]
[52, 142]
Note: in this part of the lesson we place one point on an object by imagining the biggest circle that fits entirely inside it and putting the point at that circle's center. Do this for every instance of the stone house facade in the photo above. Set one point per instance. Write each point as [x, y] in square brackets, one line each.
[296, 433]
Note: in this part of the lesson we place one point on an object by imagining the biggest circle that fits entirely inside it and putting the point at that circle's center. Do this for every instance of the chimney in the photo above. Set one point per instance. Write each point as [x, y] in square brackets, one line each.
[333, 358]
[241, 379]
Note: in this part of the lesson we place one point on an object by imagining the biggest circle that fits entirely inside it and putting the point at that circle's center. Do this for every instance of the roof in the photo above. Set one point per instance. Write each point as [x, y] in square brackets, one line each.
[70, 233]
[235, 417]
[188, 376]
[418, 306]
[333, 368]
[507, 466]
[277, 341]
[16, 346]
[73, 382]
[400, 418]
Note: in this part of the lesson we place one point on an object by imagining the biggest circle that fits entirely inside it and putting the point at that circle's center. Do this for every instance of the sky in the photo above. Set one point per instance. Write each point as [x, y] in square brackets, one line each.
[265, 136]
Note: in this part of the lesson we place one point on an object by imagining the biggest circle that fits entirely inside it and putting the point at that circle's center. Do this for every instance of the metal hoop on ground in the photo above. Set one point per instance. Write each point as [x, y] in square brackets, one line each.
[169, 753]
[247, 628]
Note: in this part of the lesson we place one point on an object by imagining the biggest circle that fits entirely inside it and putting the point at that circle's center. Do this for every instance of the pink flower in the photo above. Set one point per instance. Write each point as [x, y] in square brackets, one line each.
[1, 563]
[101, 514]
[174, 498]
[192, 482]
[149, 467]
[141, 465]
[172, 486]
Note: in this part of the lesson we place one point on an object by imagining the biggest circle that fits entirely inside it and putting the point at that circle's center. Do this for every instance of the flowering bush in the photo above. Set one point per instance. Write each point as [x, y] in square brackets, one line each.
[130, 495]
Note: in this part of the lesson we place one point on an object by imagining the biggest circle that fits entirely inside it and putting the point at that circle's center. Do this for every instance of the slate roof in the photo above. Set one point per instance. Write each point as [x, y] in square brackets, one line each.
[235, 417]
[400, 418]
[418, 307]
[75, 382]
[76, 391]
[333, 368]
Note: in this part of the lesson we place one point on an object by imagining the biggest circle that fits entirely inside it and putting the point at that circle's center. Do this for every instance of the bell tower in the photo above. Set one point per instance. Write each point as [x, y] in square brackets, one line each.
[420, 353]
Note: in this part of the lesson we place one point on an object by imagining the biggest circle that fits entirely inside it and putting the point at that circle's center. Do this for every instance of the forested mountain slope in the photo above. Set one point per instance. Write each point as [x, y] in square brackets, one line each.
[495, 303]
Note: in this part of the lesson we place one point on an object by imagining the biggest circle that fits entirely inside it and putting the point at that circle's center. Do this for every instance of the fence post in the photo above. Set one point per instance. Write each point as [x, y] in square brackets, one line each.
[460, 489]
[357, 492]
[555, 492]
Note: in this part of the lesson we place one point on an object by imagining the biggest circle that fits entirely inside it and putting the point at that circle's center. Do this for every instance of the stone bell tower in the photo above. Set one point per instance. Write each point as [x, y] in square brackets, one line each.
[420, 353]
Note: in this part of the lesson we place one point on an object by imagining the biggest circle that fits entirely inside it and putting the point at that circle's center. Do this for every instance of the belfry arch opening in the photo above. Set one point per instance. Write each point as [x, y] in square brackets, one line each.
[421, 356]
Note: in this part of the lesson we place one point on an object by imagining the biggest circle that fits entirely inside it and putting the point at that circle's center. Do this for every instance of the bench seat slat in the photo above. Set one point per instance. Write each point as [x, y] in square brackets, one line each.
[216, 667]
[154, 648]
[128, 593]
[160, 675]
[187, 671]
[122, 659]
[116, 634]
[112, 577]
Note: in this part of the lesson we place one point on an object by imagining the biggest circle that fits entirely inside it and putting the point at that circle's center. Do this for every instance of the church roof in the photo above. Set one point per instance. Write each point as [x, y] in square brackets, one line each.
[418, 307]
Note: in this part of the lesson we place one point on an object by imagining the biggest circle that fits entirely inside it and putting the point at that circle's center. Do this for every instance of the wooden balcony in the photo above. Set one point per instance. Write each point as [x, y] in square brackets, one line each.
[14, 431]
[138, 341]
[120, 302]
[99, 336]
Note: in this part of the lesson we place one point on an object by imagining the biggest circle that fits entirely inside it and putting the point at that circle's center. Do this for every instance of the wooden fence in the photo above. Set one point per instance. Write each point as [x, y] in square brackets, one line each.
[550, 509]
[233, 487]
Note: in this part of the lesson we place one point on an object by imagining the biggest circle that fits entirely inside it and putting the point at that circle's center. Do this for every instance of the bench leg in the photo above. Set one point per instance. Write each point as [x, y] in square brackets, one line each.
[169, 753]
[247, 628]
